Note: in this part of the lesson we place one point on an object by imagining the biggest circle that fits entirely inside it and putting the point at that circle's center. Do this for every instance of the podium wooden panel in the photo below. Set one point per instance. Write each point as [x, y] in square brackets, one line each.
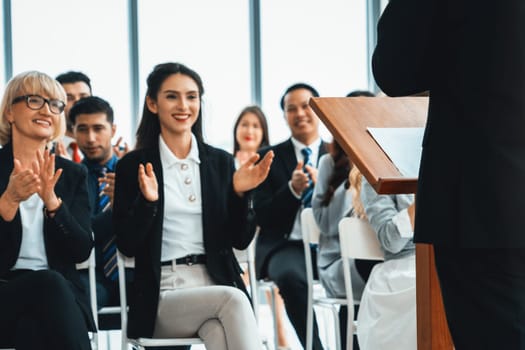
[347, 119]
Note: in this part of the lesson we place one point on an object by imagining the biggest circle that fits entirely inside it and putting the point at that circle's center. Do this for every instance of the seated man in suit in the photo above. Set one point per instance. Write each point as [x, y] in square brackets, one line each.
[279, 201]
[92, 119]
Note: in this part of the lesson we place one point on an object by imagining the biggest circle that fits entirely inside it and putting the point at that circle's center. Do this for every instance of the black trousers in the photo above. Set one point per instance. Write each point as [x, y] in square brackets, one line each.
[39, 311]
[287, 269]
[484, 296]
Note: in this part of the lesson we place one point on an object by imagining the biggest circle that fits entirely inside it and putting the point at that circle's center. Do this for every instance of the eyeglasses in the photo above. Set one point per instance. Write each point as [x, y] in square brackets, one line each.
[35, 102]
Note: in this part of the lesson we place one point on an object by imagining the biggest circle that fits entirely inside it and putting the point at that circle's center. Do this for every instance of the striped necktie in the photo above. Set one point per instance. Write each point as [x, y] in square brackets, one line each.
[109, 251]
[103, 199]
[306, 197]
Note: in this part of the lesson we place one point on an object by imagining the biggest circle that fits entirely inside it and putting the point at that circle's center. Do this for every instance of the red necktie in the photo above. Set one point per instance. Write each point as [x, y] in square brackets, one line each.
[76, 153]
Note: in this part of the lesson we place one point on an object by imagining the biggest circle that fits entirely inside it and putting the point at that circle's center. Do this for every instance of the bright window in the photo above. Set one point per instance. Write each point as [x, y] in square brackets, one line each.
[319, 43]
[212, 38]
[87, 36]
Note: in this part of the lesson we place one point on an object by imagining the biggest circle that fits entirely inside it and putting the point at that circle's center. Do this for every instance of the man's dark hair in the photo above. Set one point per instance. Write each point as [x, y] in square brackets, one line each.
[73, 77]
[360, 93]
[298, 86]
[91, 105]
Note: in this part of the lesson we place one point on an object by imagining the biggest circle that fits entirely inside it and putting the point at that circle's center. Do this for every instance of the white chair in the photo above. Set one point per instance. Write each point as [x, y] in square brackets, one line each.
[247, 256]
[267, 286]
[141, 343]
[89, 264]
[358, 241]
[311, 234]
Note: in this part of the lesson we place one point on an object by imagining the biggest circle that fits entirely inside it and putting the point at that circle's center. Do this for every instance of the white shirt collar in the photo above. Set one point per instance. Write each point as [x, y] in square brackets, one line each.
[169, 159]
[314, 146]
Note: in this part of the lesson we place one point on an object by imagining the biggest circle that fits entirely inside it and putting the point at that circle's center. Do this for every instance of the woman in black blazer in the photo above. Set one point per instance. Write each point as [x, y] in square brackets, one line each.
[44, 223]
[179, 209]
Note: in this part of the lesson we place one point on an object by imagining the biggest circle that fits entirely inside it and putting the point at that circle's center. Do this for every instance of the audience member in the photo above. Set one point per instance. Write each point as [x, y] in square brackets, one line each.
[179, 209]
[44, 223]
[387, 312]
[279, 201]
[250, 133]
[93, 128]
[77, 86]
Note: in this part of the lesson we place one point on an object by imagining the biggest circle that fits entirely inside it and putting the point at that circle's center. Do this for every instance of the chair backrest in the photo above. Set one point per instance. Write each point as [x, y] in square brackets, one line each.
[310, 232]
[247, 256]
[358, 240]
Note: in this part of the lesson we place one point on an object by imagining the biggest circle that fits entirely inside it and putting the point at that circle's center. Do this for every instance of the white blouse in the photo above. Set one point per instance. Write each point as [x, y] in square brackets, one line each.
[32, 254]
[182, 232]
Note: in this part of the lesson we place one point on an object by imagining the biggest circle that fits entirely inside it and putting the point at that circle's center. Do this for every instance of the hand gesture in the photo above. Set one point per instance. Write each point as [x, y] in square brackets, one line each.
[120, 152]
[300, 179]
[249, 175]
[44, 166]
[22, 184]
[109, 189]
[60, 150]
[148, 182]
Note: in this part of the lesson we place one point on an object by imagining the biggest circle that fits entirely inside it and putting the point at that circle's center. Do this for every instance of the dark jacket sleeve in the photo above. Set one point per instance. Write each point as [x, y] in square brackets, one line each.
[241, 216]
[275, 203]
[400, 62]
[70, 228]
[133, 215]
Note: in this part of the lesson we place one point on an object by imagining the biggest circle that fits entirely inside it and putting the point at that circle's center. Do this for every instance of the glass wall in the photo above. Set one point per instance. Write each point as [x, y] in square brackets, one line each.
[320, 43]
[55, 36]
[212, 38]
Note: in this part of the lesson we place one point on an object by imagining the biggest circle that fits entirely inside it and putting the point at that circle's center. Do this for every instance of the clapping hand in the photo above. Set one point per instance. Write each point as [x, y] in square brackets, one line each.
[44, 167]
[148, 182]
[22, 183]
[109, 188]
[120, 152]
[249, 175]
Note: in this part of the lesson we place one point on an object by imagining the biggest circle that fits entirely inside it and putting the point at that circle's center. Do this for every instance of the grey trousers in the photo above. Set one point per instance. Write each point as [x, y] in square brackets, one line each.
[190, 305]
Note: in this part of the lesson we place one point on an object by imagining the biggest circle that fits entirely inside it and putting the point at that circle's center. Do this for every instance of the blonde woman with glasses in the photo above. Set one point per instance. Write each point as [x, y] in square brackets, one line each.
[44, 223]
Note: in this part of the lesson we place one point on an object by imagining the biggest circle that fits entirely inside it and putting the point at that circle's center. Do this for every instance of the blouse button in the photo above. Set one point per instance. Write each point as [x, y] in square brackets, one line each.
[187, 181]
[192, 198]
[184, 166]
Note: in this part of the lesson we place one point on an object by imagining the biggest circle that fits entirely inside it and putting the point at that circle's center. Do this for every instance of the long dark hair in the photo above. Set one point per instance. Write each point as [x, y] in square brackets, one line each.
[342, 164]
[149, 127]
[265, 141]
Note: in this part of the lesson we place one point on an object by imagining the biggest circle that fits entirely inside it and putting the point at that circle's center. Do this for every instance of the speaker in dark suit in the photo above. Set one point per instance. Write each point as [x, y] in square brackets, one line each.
[471, 193]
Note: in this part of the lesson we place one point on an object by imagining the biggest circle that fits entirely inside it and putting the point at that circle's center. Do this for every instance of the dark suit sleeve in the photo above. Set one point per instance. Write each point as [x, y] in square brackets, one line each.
[241, 216]
[71, 226]
[274, 202]
[401, 58]
[133, 215]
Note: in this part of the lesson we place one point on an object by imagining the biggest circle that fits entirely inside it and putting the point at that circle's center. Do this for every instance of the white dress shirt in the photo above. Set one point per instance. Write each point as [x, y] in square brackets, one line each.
[296, 233]
[32, 254]
[182, 226]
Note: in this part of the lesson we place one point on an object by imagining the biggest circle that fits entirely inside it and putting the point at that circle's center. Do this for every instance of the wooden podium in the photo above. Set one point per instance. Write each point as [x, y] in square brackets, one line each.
[347, 119]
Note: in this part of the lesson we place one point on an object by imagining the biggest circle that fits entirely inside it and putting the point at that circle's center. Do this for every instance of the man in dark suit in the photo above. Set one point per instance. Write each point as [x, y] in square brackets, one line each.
[471, 194]
[93, 127]
[278, 204]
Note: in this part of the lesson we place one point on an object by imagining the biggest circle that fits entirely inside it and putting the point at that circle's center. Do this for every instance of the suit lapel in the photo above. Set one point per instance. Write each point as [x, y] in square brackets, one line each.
[288, 156]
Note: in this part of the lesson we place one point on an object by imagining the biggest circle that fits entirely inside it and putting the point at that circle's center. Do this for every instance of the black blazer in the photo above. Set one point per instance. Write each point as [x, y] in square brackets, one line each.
[471, 190]
[226, 218]
[67, 236]
[275, 205]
